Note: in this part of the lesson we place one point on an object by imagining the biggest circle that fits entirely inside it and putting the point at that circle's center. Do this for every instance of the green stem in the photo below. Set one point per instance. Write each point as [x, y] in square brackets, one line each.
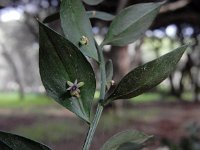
[82, 108]
[93, 127]
[99, 110]
[103, 73]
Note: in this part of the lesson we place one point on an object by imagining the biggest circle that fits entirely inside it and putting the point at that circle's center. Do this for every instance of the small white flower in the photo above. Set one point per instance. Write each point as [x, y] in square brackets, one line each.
[74, 88]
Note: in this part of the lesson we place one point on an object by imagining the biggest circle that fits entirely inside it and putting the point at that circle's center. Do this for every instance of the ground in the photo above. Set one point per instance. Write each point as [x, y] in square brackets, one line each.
[45, 121]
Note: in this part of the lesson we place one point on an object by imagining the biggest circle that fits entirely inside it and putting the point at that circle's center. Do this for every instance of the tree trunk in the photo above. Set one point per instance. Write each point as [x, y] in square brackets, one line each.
[14, 69]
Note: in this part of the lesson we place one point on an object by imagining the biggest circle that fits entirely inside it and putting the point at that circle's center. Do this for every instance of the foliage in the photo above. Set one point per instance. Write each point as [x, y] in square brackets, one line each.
[128, 140]
[146, 76]
[15, 142]
[69, 79]
[131, 23]
[68, 65]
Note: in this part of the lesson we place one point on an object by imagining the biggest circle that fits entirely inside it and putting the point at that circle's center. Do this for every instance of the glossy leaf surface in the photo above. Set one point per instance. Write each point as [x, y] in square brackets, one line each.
[76, 24]
[16, 142]
[127, 140]
[100, 15]
[131, 23]
[93, 2]
[146, 76]
[60, 61]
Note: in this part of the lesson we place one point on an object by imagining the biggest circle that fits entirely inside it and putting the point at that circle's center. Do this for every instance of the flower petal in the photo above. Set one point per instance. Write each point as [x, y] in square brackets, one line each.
[80, 84]
[68, 89]
[76, 82]
[70, 83]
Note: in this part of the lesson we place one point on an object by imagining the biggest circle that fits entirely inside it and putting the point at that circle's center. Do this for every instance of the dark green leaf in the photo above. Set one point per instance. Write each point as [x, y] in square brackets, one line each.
[109, 73]
[100, 15]
[16, 142]
[146, 76]
[52, 17]
[93, 2]
[131, 23]
[3, 146]
[127, 140]
[60, 61]
[76, 24]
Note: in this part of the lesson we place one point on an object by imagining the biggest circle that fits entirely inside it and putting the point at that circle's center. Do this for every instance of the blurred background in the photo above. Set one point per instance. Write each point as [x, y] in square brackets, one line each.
[170, 111]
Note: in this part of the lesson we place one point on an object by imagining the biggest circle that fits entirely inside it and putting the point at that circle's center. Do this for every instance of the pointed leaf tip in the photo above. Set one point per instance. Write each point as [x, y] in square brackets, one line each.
[76, 24]
[147, 76]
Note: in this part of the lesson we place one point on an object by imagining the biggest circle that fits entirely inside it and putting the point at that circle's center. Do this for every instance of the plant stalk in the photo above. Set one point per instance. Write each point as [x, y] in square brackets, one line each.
[100, 108]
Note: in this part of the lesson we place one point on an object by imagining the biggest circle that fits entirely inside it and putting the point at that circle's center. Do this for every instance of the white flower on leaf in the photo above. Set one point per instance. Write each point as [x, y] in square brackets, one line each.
[74, 88]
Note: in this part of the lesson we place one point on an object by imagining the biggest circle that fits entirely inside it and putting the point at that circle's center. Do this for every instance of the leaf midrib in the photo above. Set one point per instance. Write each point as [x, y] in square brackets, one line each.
[146, 83]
